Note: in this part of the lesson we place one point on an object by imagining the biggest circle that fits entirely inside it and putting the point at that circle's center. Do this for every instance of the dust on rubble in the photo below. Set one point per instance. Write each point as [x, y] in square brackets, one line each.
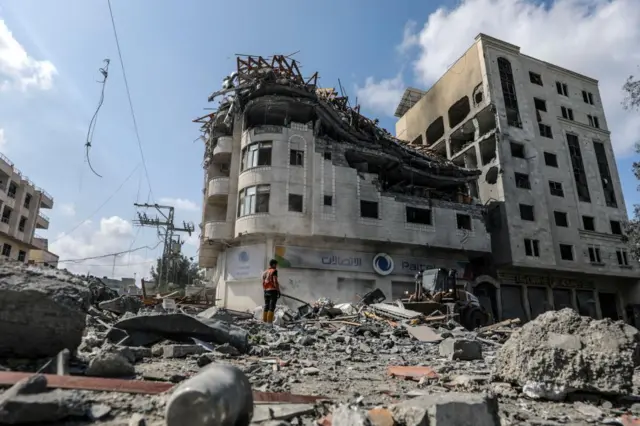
[108, 359]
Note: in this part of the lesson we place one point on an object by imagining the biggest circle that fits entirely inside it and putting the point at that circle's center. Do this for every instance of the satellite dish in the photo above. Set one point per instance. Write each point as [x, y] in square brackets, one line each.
[492, 175]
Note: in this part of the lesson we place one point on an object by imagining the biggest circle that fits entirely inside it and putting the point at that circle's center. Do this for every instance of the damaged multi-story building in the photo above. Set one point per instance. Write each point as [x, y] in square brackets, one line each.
[20, 208]
[293, 172]
[539, 137]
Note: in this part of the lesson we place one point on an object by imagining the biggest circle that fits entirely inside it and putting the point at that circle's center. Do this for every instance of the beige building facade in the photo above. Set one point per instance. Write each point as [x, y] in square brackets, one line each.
[539, 136]
[21, 205]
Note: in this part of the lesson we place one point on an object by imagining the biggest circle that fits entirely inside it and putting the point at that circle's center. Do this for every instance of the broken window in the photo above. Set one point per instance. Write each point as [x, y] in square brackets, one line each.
[296, 157]
[22, 224]
[586, 303]
[487, 150]
[609, 306]
[295, 203]
[417, 141]
[435, 131]
[566, 252]
[593, 121]
[540, 104]
[535, 78]
[22, 256]
[531, 247]
[6, 214]
[522, 181]
[616, 227]
[623, 257]
[509, 93]
[328, 200]
[512, 306]
[561, 219]
[6, 250]
[459, 111]
[578, 168]
[27, 201]
[594, 254]
[369, 209]
[256, 154]
[327, 155]
[567, 113]
[562, 89]
[526, 212]
[463, 221]
[517, 150]
[562, 298]
[550, 159]
[587, 97]
[538, 301]
[416, 215]
[478, 94]
[605, 174]
[588, 223]
[555, 189]
[13, 188]
[254, 199]
[545, 130]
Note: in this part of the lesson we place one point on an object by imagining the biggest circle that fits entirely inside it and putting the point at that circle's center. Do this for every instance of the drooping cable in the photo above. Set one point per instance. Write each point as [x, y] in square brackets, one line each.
[94, 120]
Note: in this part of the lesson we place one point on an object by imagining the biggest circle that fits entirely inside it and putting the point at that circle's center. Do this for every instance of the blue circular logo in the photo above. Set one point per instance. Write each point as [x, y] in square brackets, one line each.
[383, 264]
[243, 256]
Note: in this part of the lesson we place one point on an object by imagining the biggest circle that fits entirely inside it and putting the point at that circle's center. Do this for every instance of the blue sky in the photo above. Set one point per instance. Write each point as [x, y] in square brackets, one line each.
[177, 52]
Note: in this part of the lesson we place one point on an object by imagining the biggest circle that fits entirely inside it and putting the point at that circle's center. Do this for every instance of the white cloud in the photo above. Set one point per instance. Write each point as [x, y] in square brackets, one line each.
[3, 142]
[113, 235]
[598, 38]
[67, 209]
[18, 69]
[382, 96]
[180, 204]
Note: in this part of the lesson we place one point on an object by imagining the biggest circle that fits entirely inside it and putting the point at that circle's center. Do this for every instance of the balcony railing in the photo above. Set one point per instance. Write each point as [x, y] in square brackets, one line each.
[44, 216]
[4, 157]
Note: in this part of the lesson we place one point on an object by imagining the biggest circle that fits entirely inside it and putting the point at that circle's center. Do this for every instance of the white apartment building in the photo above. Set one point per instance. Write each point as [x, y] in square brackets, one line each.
[539, 135]
[293, 173]
[20, 213]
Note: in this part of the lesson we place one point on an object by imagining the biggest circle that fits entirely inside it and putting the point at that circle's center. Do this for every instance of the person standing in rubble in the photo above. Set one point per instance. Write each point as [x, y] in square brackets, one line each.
[271, 288]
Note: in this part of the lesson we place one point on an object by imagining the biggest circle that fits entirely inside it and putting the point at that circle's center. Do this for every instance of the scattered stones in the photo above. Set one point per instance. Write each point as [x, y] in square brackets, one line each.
[110, 364]
[344, 415]
[98, 411]
[452, 409]
[137, 420]
[48, 310]
[181, 351]
[460, 349]
[310, 371]
[122, 304]
[571, 353]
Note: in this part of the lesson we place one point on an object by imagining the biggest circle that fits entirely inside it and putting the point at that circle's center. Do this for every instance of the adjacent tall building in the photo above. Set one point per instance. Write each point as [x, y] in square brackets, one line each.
[20, 208]
[292, 172]
[539, 136]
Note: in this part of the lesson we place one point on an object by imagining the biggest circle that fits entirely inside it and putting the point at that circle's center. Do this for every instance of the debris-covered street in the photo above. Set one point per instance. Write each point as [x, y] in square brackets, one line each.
[119, 362]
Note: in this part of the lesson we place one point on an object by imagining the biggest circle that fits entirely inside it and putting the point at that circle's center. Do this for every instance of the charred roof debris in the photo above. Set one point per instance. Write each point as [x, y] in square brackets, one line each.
[273, 92]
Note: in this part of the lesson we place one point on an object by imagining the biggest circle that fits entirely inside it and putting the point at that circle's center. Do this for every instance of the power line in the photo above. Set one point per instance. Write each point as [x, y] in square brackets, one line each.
[100, 207]
[108, 254]
[126, 85]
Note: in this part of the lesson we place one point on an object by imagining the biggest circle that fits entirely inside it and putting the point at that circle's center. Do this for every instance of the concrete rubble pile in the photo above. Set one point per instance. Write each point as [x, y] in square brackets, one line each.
[324, 364]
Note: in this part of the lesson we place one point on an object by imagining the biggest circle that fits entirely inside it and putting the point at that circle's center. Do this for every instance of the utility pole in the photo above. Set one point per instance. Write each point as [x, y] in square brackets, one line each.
[166, 228]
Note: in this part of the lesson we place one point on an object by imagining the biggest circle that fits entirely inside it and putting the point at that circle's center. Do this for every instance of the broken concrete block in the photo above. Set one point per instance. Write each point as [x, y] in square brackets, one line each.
[110, 364]
[561, 349]
[460, 349]
[220, 394]
[41, 312]
[450, 409]
[137, 420]
[217, 313]
[140, 353]
[265, 412]
[348, 416]
[181, 351]
[145, 330]
[122, 304]
[227, 349]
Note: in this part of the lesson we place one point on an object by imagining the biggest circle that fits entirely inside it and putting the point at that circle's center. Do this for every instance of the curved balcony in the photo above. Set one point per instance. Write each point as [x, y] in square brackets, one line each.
[218, 190]
[208, 254]
[218, 230]
[222, 151]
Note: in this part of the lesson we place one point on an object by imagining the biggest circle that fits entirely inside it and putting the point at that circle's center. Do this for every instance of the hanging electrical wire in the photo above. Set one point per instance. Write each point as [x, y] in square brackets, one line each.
[92, 124]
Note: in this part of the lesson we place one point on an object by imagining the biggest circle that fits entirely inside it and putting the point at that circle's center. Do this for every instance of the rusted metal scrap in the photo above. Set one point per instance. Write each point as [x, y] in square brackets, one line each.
[411, 372]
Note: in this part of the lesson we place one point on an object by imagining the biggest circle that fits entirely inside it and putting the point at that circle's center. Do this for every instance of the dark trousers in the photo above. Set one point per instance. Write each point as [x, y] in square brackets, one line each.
[270, 300]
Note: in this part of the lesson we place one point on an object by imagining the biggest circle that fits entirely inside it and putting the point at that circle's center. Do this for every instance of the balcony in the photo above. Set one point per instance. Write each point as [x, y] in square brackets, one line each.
[208, 254]
[218, 230]
[42, 222]
[40, 243]
[6, 165]
[46, 201]
[218, 190]
[222, 151]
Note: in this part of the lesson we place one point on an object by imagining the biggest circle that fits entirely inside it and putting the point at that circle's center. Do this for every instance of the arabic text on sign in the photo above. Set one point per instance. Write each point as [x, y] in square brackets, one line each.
[342, 261]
